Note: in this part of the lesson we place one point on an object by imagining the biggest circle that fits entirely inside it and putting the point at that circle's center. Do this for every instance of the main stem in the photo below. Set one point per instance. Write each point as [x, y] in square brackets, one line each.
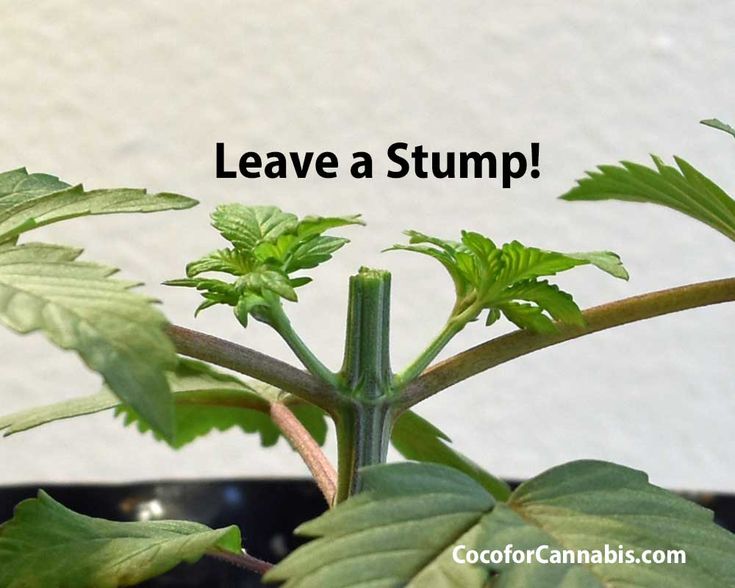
[366, 404]
[364, 418]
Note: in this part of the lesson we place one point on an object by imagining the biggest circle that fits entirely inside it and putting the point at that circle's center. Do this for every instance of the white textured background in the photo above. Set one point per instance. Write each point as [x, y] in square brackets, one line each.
[137, 94]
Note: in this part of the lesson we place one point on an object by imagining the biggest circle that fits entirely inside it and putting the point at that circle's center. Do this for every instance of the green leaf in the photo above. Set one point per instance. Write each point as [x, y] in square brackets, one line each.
[205, 401]
[28, 201]
[224, 260]
[213, 291]
[527, 316]
[209, 401]
[396, 532]
[607, 261]
[684, 189]
[264, 279]
[504, 279]
[587, 504]
[403, 528]
[313, 252]
[521, 263]
[316, 225]
[518, 262]
[35, 417]
[719, 125]
[198, 413]
[558, 304]
[269, 245]
[47, 545]
[249, 304]
[246, 226]
[78, 306]
[417, 439]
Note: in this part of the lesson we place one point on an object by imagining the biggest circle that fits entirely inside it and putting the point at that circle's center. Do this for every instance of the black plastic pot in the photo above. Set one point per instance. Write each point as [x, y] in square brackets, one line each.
[267, 511]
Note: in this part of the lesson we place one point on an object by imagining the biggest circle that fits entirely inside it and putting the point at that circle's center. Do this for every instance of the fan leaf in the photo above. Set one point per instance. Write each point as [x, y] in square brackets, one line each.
[682, 188]
[417, 439]
[47, 545]
[78, 306]
[117, 332]
[402, 530]
[205, 401]
[28, 201]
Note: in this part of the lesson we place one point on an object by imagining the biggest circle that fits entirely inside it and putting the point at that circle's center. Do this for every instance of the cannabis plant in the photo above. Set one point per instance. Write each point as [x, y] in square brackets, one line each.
[413, 523]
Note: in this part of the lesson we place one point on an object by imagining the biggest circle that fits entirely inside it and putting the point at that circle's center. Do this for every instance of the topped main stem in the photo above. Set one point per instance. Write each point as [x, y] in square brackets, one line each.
[366, 369]
[365, 419]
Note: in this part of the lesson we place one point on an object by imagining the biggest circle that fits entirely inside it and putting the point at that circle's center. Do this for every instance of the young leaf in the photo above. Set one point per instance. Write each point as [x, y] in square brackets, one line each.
[247, 226]
[506, 279]
[205, 400]
[417, 439]
[604, 260]
[269, 245]
[548, 297]
[684, 189]
[403, 528]
[225, 260]
[78, 306]
[719, 125]
[316, 225]
[314, 251]
[33, 200]
[527, 316]
[48, 545]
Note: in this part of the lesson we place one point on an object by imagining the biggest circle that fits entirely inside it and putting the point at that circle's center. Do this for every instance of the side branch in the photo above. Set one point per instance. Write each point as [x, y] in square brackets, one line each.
[254, 364]
[496, 351]
[304, 444]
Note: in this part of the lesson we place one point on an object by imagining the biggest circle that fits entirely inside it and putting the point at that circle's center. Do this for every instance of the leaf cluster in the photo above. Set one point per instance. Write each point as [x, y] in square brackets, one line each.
[267, 247]
[506, 280]
[78, 305]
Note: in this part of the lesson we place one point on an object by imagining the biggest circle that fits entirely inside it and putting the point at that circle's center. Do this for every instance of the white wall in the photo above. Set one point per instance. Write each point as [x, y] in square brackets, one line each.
[137, 93]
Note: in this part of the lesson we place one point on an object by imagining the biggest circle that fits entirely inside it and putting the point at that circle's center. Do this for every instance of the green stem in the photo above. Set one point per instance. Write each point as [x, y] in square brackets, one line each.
[280, 322]
[366, 369]
[461, 315]
[365, 419]
[416, 368]
[363, 436]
